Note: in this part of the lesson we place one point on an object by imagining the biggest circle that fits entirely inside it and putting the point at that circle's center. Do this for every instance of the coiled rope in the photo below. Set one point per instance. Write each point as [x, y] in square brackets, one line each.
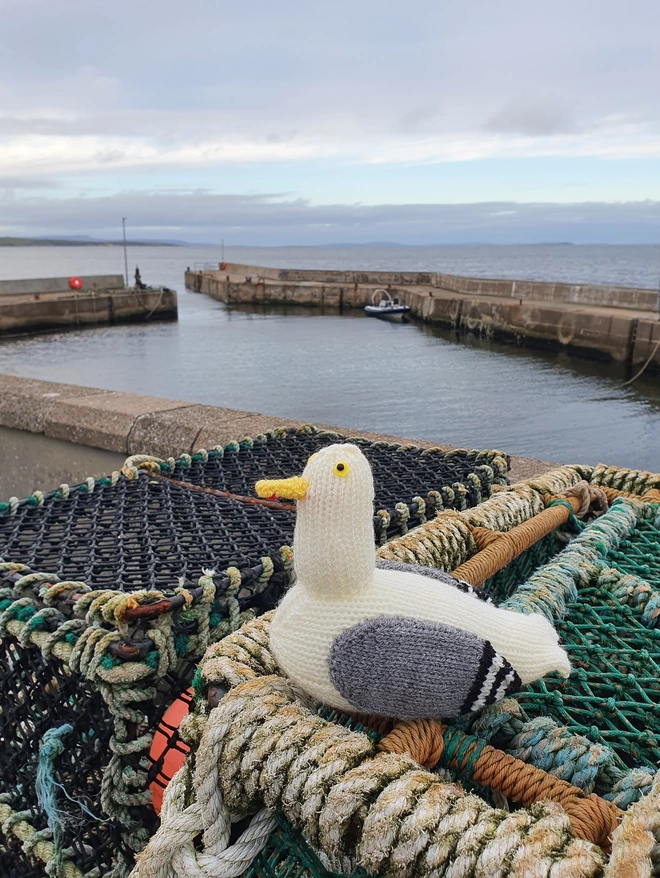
[355, 806]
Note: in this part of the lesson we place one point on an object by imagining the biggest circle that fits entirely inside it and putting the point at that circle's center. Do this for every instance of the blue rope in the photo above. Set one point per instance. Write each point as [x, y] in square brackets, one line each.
[50, 748]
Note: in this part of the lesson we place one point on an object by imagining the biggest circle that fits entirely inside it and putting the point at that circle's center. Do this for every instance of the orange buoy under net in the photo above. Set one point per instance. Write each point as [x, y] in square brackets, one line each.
[75, 283]
[168, 752]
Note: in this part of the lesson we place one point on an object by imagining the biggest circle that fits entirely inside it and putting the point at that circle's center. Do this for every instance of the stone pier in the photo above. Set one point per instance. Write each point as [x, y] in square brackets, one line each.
[610, 323]
[49, 303]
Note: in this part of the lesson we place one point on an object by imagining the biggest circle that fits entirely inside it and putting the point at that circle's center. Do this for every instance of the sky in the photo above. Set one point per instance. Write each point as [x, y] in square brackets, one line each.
[291, 122]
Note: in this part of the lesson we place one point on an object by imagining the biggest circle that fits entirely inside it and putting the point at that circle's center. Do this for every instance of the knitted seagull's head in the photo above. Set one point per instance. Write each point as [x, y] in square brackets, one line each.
[333, 544]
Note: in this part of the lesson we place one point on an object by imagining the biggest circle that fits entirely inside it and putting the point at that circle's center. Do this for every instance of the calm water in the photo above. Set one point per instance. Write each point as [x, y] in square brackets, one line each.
[358, 372]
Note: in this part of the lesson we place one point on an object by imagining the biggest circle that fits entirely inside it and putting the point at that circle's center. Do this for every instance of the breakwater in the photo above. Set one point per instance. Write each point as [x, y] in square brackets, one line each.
[606, 322]
[31, 305]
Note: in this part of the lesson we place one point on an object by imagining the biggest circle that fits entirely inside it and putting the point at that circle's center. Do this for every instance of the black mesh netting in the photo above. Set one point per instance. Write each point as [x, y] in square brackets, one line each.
[36, 697]
[145, 533]
[47, 697]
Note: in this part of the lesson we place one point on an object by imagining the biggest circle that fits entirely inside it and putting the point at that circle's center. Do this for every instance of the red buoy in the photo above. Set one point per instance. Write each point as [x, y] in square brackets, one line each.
[75, 283]
[168, 751]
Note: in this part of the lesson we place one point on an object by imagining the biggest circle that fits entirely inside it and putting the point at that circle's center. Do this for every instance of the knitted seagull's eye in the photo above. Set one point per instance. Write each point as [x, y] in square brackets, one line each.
[341, 469]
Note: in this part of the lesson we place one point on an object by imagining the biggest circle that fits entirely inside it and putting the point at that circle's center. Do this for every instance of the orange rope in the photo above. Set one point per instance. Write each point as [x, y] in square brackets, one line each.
[498, 549]
[421, 739]
[592, 818]
[651, 496]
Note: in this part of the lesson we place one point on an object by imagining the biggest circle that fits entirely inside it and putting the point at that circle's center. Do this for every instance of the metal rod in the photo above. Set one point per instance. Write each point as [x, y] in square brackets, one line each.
[253, 501]
[123, 225]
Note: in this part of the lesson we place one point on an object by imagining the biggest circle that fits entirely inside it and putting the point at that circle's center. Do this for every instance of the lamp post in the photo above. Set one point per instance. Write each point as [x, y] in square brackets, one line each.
[123, 225]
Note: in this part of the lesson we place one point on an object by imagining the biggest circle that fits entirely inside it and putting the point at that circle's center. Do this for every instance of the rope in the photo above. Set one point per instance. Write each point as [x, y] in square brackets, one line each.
[359, 809]
[498, 550]
[635, 844]
[643, 369]
[652, 495]
[35, 843]
[592, 818]
[50, 748]
[128, 687]
[422, 740]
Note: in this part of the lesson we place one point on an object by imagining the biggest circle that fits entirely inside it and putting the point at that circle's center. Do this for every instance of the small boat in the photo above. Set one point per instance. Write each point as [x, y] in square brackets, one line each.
[385, 307]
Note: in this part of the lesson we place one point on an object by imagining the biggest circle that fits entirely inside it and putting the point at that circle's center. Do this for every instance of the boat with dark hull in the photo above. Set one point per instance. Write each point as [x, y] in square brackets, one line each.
[385, 307]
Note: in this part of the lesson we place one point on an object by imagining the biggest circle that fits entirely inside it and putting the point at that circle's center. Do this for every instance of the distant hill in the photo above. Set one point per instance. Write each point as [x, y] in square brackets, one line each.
[82, 241]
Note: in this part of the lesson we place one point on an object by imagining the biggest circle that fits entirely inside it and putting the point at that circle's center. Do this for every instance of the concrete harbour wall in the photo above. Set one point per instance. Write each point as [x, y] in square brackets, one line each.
[59, 284]
[611, 323]
[538, 291]
[36, 312]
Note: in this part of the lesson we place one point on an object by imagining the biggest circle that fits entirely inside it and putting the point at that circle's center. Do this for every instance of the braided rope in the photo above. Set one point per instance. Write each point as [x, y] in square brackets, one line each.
[86, 625]
[636, 843]
[34, 843]
[447, 541]
[429, 742]
[380, 812]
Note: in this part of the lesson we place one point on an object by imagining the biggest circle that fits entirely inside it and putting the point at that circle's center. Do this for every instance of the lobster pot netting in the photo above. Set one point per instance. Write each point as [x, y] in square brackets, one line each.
[595, 737]
[132, 531]
[146, 568]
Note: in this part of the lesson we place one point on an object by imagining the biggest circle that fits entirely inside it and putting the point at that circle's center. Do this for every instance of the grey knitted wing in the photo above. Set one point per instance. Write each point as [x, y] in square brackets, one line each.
[413, 669]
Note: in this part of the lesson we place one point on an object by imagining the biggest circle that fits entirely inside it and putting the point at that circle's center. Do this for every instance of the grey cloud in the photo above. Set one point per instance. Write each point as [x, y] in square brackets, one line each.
[27, 183]
[537, 118]
[364, 64]
[416, 119]
[267, 219]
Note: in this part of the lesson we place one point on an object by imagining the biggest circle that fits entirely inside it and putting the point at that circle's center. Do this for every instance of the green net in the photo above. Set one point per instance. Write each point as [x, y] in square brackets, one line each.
[613, 694]
[287, 855]
[639, 554]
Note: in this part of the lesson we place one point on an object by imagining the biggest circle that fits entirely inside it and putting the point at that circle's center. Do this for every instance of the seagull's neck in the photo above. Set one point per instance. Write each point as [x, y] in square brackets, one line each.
[334, 554]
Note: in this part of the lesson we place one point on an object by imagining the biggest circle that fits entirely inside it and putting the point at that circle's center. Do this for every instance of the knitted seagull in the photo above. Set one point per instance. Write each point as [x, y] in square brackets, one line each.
[398, 641]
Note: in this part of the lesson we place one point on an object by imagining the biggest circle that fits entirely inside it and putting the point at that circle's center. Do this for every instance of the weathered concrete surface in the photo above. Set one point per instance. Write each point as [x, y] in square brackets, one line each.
[600, 322]
[31, 461]
[646, 342]
[26, 402]
[538, 291]
[59, 284]
[196, 426]
[30, 313]
[132, 424]
[102, 421]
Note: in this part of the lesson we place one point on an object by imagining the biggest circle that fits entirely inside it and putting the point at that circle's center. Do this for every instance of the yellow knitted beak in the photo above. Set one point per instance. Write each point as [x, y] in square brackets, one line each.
[294, 488]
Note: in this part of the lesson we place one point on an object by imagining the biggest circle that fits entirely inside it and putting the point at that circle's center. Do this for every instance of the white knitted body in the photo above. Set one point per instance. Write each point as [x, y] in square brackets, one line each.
[305, 626]
[338, 585]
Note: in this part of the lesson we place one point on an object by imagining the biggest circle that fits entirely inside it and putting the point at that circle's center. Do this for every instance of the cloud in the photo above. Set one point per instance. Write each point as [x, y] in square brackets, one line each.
[11, 183]
[203, 216]
[538, 118]
[205, 84]
[358, 93]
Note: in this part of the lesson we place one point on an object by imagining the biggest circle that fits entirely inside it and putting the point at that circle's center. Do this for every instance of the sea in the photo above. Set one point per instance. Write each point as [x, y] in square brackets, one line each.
[355, 372]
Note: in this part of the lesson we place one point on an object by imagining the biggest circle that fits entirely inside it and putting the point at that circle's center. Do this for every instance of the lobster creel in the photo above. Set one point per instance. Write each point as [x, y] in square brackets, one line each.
[560, 780]
[110, 593]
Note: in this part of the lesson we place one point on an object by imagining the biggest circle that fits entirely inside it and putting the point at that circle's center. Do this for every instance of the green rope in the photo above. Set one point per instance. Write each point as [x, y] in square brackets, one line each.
[50, 748]
[457, 752]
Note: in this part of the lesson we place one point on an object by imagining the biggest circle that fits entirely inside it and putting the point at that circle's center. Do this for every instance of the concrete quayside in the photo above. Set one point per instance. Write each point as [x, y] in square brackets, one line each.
[605, 322]
[33, 305]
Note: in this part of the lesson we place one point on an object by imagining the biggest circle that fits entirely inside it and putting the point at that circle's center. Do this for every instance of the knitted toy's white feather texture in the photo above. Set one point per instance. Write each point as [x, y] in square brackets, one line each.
[338, 586]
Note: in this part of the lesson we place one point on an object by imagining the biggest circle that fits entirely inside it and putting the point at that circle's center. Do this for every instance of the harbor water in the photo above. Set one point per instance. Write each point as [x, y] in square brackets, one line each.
[355, 372]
